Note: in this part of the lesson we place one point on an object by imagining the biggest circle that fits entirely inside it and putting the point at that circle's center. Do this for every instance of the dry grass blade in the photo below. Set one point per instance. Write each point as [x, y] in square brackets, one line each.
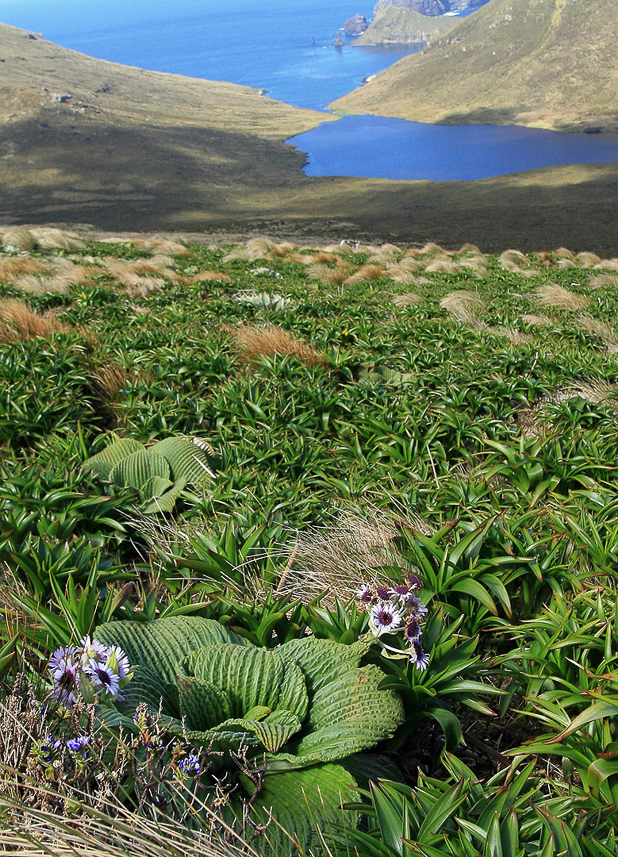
[557, 296]
[442, 265]
[536, 320]
[338, 558]
[465, 306]
[255, 342]
[607, 265]
[407, 299]
[599, 328]
[326, 274]
[49, 238]
[18, 322]
[384, 255]
[255, 248]
[433, 249]
[588, 260]
[19, 238]
[604, 281]
[366, 273]
[17, 265]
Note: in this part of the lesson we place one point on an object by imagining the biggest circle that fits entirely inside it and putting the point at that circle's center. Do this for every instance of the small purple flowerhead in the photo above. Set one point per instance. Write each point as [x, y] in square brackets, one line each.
[418, 656]
[65, 676]
[383, 593]
[414, 580]
[416, 606]
[61, 654]
[103, 678]
[400, 592]
[412, 630]
[365, 594]
[47, 749]
[190, 765]
[385, 617]
[79, 745]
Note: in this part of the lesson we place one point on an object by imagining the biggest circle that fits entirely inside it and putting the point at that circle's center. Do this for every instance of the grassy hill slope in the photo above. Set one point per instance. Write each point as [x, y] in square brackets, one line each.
[394, 26]
[543, 63]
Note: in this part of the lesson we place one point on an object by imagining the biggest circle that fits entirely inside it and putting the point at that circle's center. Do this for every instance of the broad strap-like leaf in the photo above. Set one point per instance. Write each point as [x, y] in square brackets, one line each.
[187, 460]
[162, 644]
[104, 462]
[306, 807]
[138, 468]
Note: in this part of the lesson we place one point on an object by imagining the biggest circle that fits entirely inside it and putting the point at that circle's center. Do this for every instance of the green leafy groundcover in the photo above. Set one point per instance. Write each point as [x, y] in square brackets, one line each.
[303, 706]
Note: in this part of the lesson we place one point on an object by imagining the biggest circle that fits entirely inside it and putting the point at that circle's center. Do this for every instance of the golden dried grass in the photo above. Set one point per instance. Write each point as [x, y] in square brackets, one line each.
[555, 295]
[255, 342]
[401, 275]
[19, 237]
[536, 319]
[366, 273]
[384, 255]
[205, 276]
[407, 299]
[602, 281]
[588, 260]
[442, 265]
[564, 253]
[515, 337]
[49, 238]
[475, 265]
[607, 265]
[433, 249]
[13, 266]
[328, 275]
[171, 246]
[598, 328]
[465, 306]
[563, 264]
[255, 248]
[19, 323]
[338, 558]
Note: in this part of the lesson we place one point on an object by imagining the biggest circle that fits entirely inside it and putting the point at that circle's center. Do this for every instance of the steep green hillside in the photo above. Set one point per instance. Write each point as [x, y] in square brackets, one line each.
[543, 63]
[394, 26]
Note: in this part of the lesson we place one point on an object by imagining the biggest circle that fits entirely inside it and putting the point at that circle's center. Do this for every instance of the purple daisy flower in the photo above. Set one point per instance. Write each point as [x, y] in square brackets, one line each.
[365, 594]
[65, 676]
[385, 617]
[103, 678]
[59, 655]
[121, 660]
[92, 650]
[416, 606]
[412, 630]
[400, 592]
[383, 593]
[418, 656]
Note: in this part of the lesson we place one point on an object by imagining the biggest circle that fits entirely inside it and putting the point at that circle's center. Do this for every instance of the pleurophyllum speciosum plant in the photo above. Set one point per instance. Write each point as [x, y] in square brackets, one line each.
[158, 473]
[299, 712]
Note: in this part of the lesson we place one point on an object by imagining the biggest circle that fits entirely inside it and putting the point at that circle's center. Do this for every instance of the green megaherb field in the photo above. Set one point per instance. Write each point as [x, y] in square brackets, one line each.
[306, 527]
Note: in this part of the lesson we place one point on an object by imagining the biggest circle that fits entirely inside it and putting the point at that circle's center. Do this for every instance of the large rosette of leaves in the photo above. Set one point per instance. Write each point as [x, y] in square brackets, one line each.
[307, 705]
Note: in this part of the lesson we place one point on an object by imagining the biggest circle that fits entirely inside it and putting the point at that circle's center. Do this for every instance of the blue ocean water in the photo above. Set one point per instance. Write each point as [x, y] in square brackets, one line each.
[374, 147]
[288, 51]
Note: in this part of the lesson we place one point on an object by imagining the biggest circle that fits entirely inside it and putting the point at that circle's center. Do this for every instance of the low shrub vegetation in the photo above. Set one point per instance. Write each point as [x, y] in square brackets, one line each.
[295, 561]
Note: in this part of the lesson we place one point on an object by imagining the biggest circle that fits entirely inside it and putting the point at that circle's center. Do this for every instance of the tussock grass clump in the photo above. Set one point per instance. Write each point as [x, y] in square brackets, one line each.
[170, 246]
[205, 276]
[600, 329]
[555, 295]
[588, 260]
[336, 559]
[470, 248]
[15, 266]
[564, 253]
[20, 238]
[407, 299]
[330, 276]
[475, 265]
[565, 263]
[514, 336]
[19, 322]
[401, 276]
[433, 249]
[602, 281]
[255, 248]
[465, 306]
[384, 255]
[607, 265]
[536, 319]
[48, 238]
[515, 261]
[255, 342]
[442, 265]
[366, 273]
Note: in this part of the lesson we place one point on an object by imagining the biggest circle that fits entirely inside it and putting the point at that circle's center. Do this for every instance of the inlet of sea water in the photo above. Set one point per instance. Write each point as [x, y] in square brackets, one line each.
[288, 50]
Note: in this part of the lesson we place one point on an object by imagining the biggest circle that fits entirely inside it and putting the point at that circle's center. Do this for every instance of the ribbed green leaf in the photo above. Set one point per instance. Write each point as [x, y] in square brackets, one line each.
[272, 735]
[147, 686]
[249, 676]
[305, 807]
[187, 460]
[154, 487]
[165, 502]
[347, 711]
[202, 704]
[103, 462]
[138, 468]
[161, 645]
